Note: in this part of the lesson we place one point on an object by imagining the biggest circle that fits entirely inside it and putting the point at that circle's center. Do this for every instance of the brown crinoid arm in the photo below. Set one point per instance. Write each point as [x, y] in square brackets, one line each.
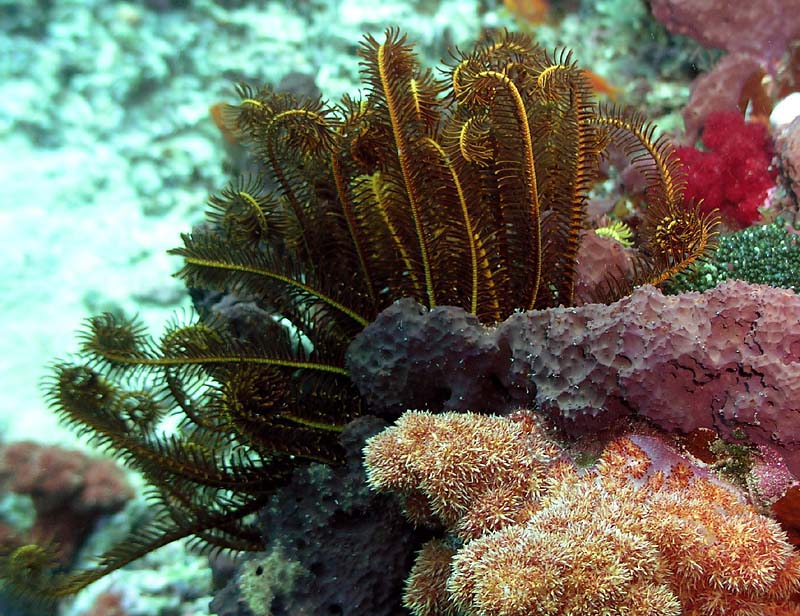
[571, 143]
[292, 139]
[672, 235]
[414, 187]
[378, 224]
[249, 413]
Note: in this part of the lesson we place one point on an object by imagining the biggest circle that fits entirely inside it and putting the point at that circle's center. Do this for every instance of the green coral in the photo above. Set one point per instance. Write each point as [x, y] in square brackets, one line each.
[764, 254]
[734, 460]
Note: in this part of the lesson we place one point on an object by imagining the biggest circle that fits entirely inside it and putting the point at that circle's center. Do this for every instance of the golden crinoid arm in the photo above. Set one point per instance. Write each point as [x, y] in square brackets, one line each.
[392, 75]
[291, 139]
[493, 87]
[373, 215]
[463, 146]
[420, 194]
[571, 143]
[676, 237]
[294, 247]
[673, 235]
[450, 183]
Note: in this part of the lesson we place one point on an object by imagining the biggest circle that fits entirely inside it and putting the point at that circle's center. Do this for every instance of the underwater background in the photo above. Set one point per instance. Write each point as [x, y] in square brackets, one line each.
[111, 143]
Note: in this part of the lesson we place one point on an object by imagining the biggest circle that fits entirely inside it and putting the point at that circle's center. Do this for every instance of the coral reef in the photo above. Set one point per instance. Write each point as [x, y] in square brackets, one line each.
[478, 184]
[254, 411]
[734, 173]
[724, 359]
[643, 531]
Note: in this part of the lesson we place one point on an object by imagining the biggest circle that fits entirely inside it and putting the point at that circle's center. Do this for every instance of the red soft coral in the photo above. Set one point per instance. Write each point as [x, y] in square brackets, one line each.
[735, 173]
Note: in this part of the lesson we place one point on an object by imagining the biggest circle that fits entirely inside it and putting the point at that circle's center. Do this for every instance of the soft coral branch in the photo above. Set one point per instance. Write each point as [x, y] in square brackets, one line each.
[734, 173]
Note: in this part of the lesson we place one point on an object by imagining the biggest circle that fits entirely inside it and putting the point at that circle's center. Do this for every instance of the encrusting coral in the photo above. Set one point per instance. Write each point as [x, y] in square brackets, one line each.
[762, 254]
[644, 531]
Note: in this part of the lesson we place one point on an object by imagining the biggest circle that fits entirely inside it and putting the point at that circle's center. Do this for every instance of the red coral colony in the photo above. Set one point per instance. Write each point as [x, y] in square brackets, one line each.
[735, 172]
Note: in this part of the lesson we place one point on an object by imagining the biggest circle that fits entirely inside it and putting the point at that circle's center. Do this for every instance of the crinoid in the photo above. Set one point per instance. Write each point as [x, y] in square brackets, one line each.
[468, 191]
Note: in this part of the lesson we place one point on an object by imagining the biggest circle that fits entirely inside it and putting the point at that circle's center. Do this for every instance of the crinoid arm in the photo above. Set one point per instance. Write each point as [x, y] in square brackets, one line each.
[673, 235]
[247, 412]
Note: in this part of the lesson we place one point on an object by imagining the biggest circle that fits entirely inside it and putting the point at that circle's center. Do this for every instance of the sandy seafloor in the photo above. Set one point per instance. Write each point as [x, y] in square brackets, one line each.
[107, 154]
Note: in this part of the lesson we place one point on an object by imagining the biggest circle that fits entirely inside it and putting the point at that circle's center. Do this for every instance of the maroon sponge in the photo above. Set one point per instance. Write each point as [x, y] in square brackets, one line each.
[727, 359]
[764, 28]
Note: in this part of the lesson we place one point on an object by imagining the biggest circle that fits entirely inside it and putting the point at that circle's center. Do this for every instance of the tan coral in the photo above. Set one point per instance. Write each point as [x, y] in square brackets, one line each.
[456, 459]
[590, 568]
[426, 587]
[642, 533]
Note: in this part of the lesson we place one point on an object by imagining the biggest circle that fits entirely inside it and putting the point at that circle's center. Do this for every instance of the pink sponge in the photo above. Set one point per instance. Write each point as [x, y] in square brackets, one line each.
[734, 174]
